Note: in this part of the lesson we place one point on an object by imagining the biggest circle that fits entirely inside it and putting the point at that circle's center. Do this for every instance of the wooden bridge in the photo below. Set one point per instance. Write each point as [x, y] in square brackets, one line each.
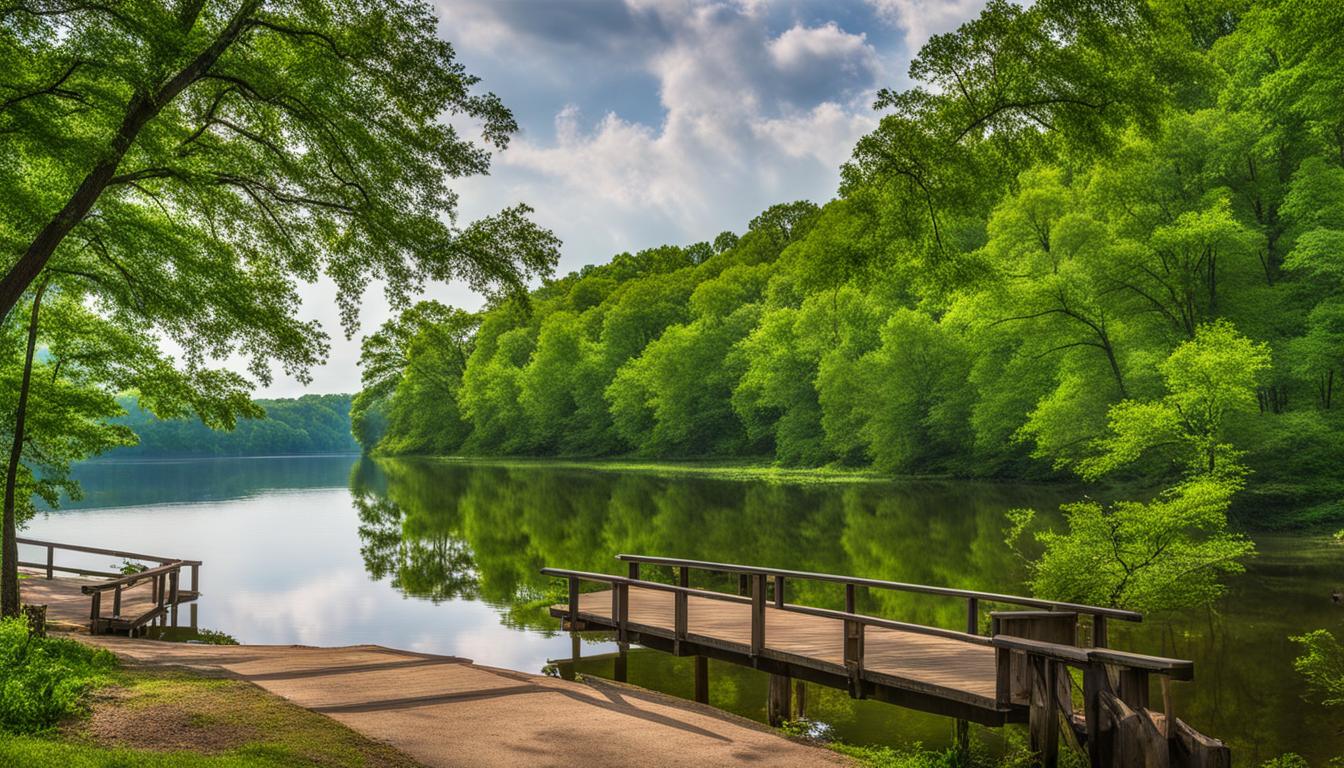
[1023, 670]
[133, 600]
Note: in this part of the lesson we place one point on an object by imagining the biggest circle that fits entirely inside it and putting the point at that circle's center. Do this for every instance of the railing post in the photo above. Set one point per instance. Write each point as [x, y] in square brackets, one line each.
[849, 598]
[743, 584]
[573, 604]
[1043, 720]
[116, 602]
[680, 619]
[702, 679]
[95, 612]
[972, 616]
[623, 596]
[757, 614]
[633, 570]
[684, 576]
[51, 561]
[196, 579]
[853, 657]
[1099, 639]
[779, 591]
[172, 587]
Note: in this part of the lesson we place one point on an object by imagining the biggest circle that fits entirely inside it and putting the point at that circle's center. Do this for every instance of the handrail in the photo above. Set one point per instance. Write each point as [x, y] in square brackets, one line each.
[1092, 610]
[131, 579]
[858, 618]
[1176, 669]
[101, 551]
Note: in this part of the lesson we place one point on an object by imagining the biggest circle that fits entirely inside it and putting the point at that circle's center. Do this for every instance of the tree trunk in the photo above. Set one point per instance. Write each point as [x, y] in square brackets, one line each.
[142, 107]
[9, 580]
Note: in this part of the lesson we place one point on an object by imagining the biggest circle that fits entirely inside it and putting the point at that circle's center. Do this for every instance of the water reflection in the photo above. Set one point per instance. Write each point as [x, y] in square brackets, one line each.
[496, 526]
[443, 557]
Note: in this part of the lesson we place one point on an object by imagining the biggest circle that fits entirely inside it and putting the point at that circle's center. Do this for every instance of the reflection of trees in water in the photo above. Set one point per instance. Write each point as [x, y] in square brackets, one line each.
[418, 546]
[441, 528]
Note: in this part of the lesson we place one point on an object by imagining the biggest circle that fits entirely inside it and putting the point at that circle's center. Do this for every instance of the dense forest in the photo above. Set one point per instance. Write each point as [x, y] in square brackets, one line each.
[1103, 240]
[304, 425]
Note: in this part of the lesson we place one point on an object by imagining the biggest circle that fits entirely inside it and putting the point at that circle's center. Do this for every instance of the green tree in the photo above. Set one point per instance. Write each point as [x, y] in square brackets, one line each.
[1210, 380]
[1164, 555]
[1322, 664]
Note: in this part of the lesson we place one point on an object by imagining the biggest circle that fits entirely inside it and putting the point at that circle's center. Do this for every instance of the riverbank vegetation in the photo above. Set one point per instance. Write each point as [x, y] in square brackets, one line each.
[1080, 223]
[288, 426]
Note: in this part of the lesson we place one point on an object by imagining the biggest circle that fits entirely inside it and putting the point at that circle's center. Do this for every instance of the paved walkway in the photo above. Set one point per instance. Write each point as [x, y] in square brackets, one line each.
[445, 711]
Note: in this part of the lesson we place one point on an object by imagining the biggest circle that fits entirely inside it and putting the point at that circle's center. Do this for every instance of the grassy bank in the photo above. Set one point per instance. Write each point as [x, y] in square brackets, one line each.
[64, 704]
[179, 719]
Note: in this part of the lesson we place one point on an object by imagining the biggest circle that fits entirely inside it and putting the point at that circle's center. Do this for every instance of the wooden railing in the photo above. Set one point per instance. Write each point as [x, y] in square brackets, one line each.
[975, 600]
[1034, 649]
[165, 580]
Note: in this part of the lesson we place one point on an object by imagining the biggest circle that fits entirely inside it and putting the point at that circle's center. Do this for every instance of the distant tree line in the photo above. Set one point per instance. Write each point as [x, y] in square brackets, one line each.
[304, 425]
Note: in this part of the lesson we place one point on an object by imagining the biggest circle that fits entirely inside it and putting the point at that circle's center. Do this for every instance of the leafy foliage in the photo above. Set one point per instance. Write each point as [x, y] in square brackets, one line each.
[43, 680]
[1164, 555]
[1322, 664]
[1095, 238]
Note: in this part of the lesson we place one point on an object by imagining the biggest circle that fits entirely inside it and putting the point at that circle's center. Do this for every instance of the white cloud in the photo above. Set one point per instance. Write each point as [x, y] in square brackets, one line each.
[657, 121]
[922, 19]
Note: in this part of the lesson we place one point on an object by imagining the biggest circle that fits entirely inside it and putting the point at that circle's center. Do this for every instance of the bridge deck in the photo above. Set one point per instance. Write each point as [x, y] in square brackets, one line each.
[942, 667]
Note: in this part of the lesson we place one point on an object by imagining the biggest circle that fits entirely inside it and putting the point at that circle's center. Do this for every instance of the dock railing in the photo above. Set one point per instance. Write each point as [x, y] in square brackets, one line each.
[165, 580]
[1034, 650]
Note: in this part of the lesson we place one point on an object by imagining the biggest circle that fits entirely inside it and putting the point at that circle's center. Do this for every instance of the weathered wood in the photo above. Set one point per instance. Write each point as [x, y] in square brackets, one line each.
[51, 561]
[757, 614]
[800, 698]
[36, 617]
[1192, 749]
[972, 615]
[1043, 717]
[779, 591]
[853, 657]
[777, 700]
[1060, 628]
[1131, 686]
[1099, 632]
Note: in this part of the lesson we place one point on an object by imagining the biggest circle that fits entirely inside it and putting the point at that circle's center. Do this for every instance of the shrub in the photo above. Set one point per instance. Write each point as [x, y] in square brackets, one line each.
[43, 680]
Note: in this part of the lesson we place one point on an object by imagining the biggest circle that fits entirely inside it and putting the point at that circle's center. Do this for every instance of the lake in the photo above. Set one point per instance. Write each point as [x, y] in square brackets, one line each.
[443, 557]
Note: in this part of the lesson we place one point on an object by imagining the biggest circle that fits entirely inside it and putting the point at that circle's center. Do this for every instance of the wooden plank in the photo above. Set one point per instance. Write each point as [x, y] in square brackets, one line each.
[951, 668]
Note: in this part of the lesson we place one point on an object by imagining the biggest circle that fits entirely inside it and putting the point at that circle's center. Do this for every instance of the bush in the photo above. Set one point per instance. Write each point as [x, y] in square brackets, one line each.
[43, 680]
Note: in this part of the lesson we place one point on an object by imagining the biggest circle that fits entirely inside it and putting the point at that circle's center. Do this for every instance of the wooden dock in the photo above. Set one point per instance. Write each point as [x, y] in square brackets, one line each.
[133, 600]
[1023, 670]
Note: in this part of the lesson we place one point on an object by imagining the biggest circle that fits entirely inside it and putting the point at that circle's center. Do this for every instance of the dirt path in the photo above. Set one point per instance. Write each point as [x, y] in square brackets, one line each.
[445, 711]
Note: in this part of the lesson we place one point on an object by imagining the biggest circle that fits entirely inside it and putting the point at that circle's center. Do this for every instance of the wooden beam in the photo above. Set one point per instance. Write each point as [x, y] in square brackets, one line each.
[702, 679]
[777, 700]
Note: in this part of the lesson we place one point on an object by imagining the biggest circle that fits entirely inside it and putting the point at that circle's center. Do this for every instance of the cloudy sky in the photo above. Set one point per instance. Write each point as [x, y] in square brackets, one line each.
[645, 122]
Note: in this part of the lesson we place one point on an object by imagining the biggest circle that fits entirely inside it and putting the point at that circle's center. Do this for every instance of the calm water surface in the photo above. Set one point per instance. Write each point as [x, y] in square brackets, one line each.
[443, 557]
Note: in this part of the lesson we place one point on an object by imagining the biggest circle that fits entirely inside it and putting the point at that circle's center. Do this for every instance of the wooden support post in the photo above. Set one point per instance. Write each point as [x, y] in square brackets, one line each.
[680, 620]
[849, 598]
[51, 562]
[777, 701]
[800, 698]
[95, 612]
[702, 679]
[853, 657]
[194, 625]
[172, 587]
[757, 614]
[779, 591]
[623, 594]
[961, 740]
[1132, 687]
[574, 604]
[621, 665]
[1043, 720]
[1099, 747]
[684, 576]
[196, 579]
[633, 570]
[743, 584]
[972, 616]
[1099, 638]
[116, 602]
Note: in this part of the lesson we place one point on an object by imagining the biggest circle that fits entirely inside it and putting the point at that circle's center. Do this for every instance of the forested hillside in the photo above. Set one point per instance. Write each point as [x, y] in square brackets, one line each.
[1095, 240]
[304, 425]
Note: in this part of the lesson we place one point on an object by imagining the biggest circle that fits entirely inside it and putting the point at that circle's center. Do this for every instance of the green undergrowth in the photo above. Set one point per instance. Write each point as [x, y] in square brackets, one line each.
[43, 680]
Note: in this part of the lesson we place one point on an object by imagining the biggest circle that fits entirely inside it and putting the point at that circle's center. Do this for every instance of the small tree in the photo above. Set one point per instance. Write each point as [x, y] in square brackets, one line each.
[1163, 555]
[1210, 380]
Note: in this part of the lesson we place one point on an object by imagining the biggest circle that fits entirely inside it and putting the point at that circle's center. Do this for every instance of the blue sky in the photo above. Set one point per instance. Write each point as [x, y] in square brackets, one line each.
[645, 122]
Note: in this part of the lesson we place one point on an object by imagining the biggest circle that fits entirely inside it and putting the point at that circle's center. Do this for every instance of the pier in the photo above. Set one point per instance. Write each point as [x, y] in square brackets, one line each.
[1024, 669]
